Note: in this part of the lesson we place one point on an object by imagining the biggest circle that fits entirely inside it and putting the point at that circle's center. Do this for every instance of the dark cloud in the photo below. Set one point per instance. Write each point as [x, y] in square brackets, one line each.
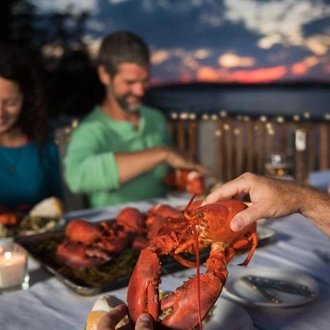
[191, 25]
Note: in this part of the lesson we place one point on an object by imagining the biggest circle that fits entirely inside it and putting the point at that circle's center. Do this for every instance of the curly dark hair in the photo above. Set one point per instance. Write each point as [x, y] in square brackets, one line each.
[120, 47]
[19, 66]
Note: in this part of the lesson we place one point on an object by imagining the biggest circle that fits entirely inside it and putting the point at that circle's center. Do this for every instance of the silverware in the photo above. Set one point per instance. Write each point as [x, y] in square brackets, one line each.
[270, 285]
[263, 291]
[324, 256]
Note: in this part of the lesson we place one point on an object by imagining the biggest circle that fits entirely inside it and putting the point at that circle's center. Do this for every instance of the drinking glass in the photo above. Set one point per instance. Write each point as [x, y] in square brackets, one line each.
[277, 166]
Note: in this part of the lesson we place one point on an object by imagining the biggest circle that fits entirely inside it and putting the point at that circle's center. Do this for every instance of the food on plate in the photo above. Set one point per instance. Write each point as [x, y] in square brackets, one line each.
[202, 227]
[4, 231]
[103, 305]
[8, 218]
[50, 207]
[92, 279]
[44, 216]
[93, 244]
[87, 244]
[186, 180]
[31, 225]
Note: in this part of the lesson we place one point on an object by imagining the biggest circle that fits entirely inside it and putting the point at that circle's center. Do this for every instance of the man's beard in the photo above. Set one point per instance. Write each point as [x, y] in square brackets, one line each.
[129, 107]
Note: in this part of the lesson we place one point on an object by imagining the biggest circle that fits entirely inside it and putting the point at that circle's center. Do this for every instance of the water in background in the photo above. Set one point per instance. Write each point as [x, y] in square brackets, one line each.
[268, 101]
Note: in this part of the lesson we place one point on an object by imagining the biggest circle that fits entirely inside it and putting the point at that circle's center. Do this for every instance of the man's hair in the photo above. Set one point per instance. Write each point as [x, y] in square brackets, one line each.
[122, 47]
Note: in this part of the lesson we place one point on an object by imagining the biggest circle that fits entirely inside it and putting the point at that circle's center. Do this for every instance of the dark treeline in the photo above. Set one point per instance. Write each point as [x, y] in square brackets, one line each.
[56, 43]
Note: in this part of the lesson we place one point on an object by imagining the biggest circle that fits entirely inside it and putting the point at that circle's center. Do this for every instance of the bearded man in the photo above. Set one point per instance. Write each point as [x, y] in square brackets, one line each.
[122, 150]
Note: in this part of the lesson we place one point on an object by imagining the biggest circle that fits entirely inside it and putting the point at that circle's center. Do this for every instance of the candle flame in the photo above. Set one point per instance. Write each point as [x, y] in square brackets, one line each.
[7, 255]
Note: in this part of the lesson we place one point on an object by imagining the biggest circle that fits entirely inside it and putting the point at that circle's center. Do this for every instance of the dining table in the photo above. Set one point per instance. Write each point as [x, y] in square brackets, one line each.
[296, 248]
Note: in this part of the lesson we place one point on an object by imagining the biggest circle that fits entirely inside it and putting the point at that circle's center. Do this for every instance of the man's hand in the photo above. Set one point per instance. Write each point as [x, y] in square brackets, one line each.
[270, 198]
[178, 159]
[112, 318]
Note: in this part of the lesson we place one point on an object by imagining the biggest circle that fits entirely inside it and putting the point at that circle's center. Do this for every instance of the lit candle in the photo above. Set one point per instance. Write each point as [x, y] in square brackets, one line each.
[12, 269]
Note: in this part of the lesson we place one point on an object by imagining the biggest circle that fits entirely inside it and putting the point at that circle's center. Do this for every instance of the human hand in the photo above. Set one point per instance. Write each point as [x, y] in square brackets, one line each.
[270, 198]
[112, 318]
[178, 159]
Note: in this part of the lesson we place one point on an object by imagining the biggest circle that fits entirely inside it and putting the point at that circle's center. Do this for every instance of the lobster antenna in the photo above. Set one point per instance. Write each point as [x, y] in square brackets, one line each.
[191, 200]
[198, 276]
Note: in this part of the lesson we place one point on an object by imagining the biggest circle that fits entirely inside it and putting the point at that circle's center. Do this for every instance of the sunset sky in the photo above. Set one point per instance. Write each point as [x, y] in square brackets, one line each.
[247, 41]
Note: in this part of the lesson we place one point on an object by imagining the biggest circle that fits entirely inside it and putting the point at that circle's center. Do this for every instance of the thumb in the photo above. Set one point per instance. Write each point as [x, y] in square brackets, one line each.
[144, 322]
[246, 217]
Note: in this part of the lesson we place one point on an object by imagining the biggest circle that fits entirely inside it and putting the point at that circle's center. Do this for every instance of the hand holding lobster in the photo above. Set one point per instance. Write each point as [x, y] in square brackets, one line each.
[186, 180]
[202, 227]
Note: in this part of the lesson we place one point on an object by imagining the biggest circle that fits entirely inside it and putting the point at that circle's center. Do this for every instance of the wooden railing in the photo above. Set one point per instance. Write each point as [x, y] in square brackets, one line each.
[230, 146]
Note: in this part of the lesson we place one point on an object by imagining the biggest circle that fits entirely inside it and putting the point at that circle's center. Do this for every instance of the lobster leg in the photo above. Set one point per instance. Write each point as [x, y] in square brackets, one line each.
[241, 245]
[254, 238]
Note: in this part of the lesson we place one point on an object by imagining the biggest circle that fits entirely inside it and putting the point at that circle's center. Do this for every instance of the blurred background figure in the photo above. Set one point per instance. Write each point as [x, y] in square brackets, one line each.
[122, 150]
[29, 164]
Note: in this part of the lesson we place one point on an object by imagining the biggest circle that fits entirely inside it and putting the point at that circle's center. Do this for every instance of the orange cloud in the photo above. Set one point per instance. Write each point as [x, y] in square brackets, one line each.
[299, 68]
[303, 66]
[230, 60]
[208, 74]
[259, 75]
[246, 76]
[159, 57]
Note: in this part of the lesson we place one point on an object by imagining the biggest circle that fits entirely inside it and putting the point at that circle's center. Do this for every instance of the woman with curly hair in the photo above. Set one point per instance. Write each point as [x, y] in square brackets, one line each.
[29, 161]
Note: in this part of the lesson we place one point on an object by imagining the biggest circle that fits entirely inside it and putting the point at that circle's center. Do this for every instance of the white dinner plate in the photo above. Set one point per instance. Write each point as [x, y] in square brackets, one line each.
[228, 315]
[241, 292]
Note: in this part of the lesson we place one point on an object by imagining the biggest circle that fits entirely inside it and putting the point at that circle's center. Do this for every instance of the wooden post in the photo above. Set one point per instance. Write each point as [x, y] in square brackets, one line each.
[192, 137]
[181, 132]
[260, 130]
[220, 151]
[283, 135]
[172, 125]
[324, 146]
[250, 148]
[228, 154]
[238, 131]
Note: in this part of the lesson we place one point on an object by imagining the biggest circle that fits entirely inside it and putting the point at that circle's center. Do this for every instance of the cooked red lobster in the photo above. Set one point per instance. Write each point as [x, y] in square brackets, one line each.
[206, 226]
[186, 180]
[87, 244]
[8, 217]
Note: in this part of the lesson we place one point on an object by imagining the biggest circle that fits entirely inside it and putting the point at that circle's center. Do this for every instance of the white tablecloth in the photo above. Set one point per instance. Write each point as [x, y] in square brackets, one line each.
[49, 304]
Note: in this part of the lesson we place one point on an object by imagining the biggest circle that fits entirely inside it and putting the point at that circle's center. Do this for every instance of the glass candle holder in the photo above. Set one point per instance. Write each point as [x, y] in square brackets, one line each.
[13, 268]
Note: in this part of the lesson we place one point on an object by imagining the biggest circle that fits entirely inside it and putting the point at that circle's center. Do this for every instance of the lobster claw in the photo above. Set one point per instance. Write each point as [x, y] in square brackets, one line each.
[190, 302]
[143, 292]
[184, 302]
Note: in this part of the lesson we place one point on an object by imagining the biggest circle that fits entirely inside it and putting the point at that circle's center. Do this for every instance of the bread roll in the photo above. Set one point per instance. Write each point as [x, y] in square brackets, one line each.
[103, 305]
[50, 207]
